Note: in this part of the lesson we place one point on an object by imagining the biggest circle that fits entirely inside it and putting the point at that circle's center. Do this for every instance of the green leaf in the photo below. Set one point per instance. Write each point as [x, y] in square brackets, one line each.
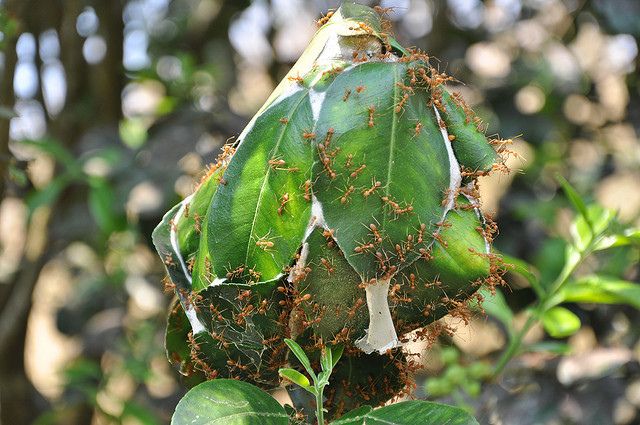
[470, 145]
[452, 270]
[628, 237]
[573, 257]
[189, 225]
[326, 359]
[192, 230]
[355, 12]
[48, 194]
[142, 415]
[258, 217]
[300, 355]
[336, 354]
[173, 260]
[408, 413]
[633, 234]
[228, 402]
[101, 204]
[581, 233]
[295, 377]
[57, 151]
[496, 306]
[334, 286]
[601, 290]
[365, 371]
[18, 175]
[323, 378]
[399, 163]
[82, 371]
[524, 269]
[176, 343]
[601, 218]
[560, 322]
[550, 259]
[575, 199]
[249, 343]
[355, 414]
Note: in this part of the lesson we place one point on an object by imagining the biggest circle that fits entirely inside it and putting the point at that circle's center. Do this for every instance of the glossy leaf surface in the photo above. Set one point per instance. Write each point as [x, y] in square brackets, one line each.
[373, 167]
[470, 144]
[408, 413]
[456, 263]
[333, 222]
[258, 217]
[560, 322]
[228, 402]
[601, 290]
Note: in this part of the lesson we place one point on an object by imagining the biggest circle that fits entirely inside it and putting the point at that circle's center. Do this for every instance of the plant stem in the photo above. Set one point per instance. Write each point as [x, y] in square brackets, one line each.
[319, 409]
[540, 308]
[513, 347]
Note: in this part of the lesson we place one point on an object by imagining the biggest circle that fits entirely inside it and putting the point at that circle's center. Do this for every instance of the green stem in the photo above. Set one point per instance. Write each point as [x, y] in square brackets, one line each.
[541, 306]
[319, 410]
[513, 347]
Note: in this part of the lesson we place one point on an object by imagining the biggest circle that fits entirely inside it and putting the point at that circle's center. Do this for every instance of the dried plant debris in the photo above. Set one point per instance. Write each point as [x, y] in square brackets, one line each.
[346, 213]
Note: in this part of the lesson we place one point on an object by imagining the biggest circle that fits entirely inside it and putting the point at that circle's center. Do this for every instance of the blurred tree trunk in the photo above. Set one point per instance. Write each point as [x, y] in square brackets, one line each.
[67, 124]
[91, 97]
[109, 77]
[442, 33]
[18, 398]
[215, 33]
[6, 100]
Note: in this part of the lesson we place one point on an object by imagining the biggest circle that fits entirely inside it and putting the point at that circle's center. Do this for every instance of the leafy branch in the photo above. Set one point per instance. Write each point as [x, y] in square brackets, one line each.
[328, 360]
[594, 229]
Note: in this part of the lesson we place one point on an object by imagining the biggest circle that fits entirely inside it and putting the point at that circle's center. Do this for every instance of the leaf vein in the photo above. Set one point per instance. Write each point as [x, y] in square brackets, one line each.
[266, 178]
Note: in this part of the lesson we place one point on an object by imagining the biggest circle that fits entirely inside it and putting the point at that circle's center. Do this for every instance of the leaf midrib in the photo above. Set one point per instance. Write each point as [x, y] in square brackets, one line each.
[227, 418]
[268, 173]
[392, 142]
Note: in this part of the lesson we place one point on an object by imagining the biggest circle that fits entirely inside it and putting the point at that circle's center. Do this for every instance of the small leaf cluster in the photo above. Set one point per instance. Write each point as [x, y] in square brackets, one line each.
[457, 377]
[328, 360]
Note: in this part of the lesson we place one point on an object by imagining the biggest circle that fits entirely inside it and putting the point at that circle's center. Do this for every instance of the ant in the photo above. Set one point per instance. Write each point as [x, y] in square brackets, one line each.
[363, 248]
[367, 192]
[320, 22]
[283, 202]
[266, 244]
[307, 190]
[358, 171]
[327, 265]
[345, 197]
[376, 233]
[298, 79]
[418, 129]
[400, 104]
